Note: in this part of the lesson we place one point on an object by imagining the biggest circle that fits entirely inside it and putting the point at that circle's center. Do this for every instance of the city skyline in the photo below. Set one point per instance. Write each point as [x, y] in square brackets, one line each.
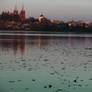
[62, 10]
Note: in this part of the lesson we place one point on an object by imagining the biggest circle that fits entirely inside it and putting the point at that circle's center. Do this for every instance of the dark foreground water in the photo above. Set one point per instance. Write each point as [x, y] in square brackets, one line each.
[45, 63]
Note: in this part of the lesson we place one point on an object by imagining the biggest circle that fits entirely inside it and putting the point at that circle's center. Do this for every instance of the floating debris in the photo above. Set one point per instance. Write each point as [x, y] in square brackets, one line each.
[45, 86]
[90, 78]
[81, 80]
[75, 81]
[33, 80]
[29, 69]
[50, 86]
[46, 60]
[52, 73]
[62, 62]
[59, 90]
[88, 48]
[11, 81]
[69, 85]
[26, 88]
[19, 80]
[80, 85]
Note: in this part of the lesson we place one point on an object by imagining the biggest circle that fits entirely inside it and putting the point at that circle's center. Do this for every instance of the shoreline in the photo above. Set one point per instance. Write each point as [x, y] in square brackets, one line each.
[46, 32]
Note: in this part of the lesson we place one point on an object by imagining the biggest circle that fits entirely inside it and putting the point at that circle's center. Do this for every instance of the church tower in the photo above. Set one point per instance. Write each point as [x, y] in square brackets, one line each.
[41, 18]
[15, 11]
[23, 14]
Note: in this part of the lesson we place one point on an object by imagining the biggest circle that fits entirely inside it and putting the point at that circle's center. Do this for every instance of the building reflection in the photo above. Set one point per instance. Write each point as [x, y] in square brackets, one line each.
[15, 43]
[44, 41]
[19, 44]
[40, 42]
[37, 41]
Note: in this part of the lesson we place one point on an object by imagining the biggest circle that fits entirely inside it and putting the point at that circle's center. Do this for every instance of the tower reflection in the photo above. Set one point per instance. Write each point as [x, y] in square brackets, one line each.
[12, 43]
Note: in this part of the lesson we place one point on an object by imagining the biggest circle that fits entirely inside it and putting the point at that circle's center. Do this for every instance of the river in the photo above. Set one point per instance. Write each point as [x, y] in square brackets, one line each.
[43, 62]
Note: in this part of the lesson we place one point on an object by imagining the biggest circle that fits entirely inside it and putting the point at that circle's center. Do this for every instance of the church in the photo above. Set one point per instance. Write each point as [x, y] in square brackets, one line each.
[14, 16]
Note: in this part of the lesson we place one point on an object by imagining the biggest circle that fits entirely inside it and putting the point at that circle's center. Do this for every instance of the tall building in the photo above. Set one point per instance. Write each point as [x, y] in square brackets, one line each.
[14, 16]
[15, 11]
[23, 14]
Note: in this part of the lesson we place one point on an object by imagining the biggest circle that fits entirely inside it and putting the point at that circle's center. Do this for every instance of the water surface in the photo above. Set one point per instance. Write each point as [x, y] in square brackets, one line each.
[45, 62]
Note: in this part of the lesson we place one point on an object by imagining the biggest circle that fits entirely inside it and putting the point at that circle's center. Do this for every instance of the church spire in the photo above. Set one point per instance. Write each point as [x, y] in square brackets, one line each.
[23, 8]
[23, 14]
[16, 10]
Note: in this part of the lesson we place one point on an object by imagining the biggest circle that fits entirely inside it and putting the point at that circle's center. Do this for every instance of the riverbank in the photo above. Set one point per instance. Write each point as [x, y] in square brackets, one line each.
[47, 32]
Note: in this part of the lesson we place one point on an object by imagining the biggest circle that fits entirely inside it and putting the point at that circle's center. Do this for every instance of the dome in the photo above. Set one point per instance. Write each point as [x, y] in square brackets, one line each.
[41, 15]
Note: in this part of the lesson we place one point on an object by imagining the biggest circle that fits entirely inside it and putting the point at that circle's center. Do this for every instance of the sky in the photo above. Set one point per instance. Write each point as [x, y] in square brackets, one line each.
[65, 10]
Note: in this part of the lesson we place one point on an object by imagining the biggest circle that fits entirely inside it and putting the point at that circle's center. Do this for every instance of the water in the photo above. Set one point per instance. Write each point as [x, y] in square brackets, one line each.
[45, 62]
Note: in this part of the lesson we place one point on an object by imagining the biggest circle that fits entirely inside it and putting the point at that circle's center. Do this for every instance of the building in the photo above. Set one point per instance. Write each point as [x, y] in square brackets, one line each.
[41, 18]
[23, 14]
[15, 11]
[44, 20]
[14, 16]
[56, 21]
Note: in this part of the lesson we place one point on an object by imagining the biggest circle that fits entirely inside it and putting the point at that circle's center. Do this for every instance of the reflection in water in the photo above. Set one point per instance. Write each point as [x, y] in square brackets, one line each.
[19, 43]
[13, 42]
[48, 64]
